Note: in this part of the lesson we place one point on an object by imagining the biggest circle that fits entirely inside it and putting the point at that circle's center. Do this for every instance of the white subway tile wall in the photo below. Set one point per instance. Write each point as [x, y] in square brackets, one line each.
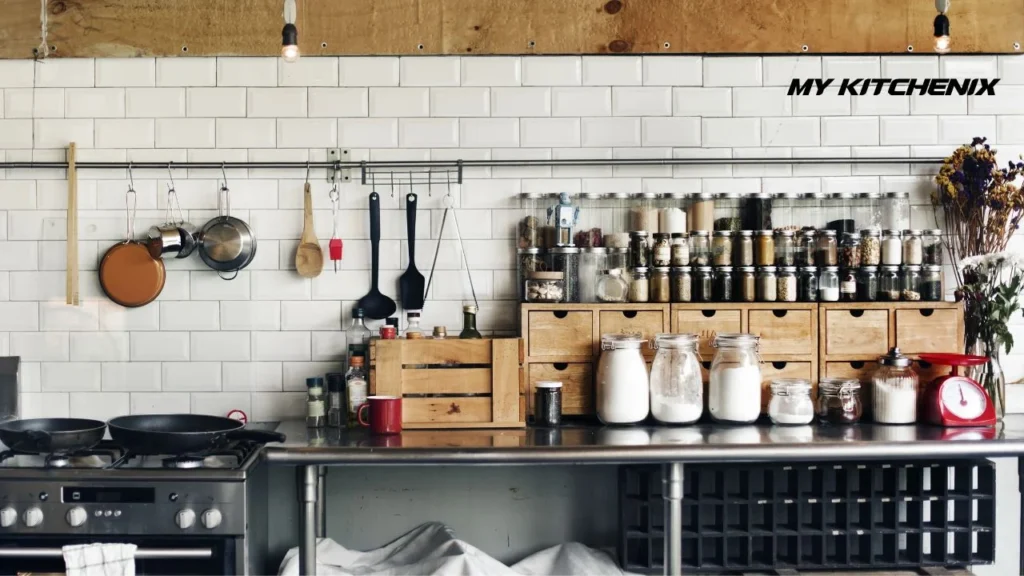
[209, 345]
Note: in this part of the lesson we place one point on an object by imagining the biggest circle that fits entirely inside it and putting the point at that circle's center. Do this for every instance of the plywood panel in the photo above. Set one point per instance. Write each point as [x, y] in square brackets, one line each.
[253, 27]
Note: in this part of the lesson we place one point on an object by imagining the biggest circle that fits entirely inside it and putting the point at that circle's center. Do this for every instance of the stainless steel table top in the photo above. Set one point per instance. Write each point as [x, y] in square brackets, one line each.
[645, 444]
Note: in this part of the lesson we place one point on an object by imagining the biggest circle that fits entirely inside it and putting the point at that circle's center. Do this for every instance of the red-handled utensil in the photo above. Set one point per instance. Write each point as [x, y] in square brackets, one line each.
[334, 246]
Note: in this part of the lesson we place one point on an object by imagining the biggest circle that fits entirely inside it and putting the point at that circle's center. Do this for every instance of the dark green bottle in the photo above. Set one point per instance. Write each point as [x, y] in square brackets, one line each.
[469, 330]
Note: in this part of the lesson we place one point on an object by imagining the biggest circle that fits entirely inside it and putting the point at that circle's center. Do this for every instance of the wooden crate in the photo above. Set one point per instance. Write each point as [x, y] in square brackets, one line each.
[452, 383]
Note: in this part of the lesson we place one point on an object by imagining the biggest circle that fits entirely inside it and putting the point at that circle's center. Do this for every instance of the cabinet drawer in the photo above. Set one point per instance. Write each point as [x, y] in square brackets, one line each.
[773, 370]
[648, 323]
[927, 330]
[783, 331]
[578, 395]
[856, 332]
[857, 370]
[706, 324]
[561, 333]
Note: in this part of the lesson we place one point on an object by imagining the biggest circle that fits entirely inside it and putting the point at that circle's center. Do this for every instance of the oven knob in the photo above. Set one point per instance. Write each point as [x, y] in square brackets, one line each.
[33, 517]
[211, 518]
[8, 516]
[185, 518]
[76, 516]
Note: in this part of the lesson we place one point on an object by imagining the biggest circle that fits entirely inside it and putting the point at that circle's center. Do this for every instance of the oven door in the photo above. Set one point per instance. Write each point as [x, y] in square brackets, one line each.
[155, 555]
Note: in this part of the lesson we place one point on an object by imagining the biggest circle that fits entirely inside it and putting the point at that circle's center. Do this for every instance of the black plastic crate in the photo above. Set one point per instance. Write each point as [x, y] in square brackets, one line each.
[814, 517]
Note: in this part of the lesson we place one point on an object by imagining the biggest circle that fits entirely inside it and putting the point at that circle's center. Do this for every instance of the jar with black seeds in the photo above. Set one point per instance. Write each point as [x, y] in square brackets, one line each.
[703, 283]
[807, 284]
[566, 259]
[723, 284]
[931, 283]
[867, 284]
[681, 284]
[746, 284]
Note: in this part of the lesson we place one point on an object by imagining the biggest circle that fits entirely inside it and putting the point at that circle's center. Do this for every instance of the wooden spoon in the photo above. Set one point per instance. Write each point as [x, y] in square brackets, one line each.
[309, 258]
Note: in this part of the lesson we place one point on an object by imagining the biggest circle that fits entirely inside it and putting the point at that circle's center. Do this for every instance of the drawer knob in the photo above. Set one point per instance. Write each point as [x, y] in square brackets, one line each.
[629, 313]
[780, 313]
[856, 313]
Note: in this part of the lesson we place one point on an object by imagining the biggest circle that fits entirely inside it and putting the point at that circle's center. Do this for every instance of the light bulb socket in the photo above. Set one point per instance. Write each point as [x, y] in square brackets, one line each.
[289, 35]
[941, 26]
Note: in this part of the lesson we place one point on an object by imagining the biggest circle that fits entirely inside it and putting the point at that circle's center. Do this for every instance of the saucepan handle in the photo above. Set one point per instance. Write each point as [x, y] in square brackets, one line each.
[263, 436]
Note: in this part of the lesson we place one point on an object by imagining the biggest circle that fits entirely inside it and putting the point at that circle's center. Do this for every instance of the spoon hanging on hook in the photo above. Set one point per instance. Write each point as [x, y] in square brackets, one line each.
[309, 257]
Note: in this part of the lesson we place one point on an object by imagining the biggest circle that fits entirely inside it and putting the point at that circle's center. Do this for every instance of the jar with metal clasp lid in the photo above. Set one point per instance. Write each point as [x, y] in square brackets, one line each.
[677, 390]
[623, 390]
[734, 389]
[839, 401]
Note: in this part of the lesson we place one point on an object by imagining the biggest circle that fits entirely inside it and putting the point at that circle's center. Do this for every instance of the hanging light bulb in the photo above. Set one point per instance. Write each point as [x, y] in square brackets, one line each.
[289, 34]
[941, 26]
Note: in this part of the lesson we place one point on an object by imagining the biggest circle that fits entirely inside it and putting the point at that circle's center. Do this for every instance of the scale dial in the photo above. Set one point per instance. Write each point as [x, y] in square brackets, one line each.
[963, 398]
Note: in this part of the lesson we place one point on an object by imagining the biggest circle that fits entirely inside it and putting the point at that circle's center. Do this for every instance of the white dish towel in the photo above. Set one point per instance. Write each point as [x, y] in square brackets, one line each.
[100, 560]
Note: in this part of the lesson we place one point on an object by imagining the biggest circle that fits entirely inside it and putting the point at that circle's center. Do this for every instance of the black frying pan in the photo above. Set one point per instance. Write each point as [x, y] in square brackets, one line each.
[181, 433]
[49, 435]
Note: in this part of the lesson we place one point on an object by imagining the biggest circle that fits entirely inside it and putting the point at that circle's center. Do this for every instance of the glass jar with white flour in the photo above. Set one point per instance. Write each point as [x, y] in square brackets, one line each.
[677, 391]
[734, 390]
[623, 393]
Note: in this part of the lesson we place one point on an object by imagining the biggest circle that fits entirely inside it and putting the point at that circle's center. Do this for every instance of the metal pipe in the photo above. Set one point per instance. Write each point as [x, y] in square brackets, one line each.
[672, 493]
[141, 553]
[321, 502]
[307, 536]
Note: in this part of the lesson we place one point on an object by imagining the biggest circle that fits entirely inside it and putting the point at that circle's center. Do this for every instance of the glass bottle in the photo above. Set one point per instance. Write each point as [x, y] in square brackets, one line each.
[588, 231]
[682, 284]
[785, 248]
[895, 210]
[616, 231]
[611, 286]
[661, 250]
[849, 250]
[592, 260]
[892, 248]
[913, 248]
[671, 216]
[790, 404]
[867, 284]
[469, 330]
[806, 245]
[413, 331]
[335, 400]
[356, 389]
[721, 248]
[622, 384]
[703, 285]
[723, 288]
[848, 285]
[746, 284]
[640, 285]
[357, 335]
[870, 247]
[764, 248]
[828, 284]
[911, 284]
[767, 284]
[680, 249]
[734, 388]
[889, 284]
[531, 219]
[743, 248]
[894, 388]
[677, 388]
[931, 241]
[807, 284]
[316, 407]
[839, 401]
[826, 252]
[931, 283]
[639, 249]
[660, 285]
[700, 248]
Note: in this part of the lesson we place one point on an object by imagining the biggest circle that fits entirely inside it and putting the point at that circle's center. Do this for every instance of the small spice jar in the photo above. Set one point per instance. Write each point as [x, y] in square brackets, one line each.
[721, 248]
[743, 248]
[767, 284]
[545, 287]
[889, 284]
[867, 284]
[826, 248]
[700, 248]
[931, 283]
[764, 248]
[388, 332]
[791, 403]
[911, 283]
[839, 401]
[892, 248]
[807, 284]
[611, 286]
[913, 248]
[548, 404]
[681, 284]
[639, 249]
[680, 249]
[787, 284]
[870, 247]
[785, 248]
[639, 285]
[440, 332]
[828, 284]
[806, 246]
[661, 252]
[746, 284]
[723, 288]
[931, 240]
[849, 250]
[848, 285]
[660, 285]
[703, 285]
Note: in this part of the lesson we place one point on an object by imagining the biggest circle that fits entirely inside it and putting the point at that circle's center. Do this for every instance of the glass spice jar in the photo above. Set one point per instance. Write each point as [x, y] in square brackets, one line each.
[913, 248]
[671, 216]
[790, 404]
[764, 248]
[545, 287]
[911, 283]
[787, 284]
[849, 250]
[931, 240]
[892, 248]
[870, 247]
[703, 283]
[839, 401]
[867, 284]
[661, 250]
[743, 248]
[639, 249]
[721, 248]
[680, 249]
[616, 211]
[806, 245]
[767, 284]
[611, 287]
[681, 289]
[746, 284]
[895, 210]
[931, 283]
[700, 248]
[723, 288]
[889, 284]
[826, 248]
[530, 221]
[639, 285]
[660, 285]
[828, 284]
[592, 260]
[848, 285]
[566, 259]
[785, 248]
[528, 260]
[807, 284]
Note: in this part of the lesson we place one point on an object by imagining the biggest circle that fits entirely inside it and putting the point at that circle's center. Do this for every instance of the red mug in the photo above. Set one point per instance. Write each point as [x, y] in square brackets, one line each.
[385, 414]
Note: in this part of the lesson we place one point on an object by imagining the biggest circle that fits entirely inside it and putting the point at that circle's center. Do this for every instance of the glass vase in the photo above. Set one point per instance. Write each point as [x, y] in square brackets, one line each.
[991, 376]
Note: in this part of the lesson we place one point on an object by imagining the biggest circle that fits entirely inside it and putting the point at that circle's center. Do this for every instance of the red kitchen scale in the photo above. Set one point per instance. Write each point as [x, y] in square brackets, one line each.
[954, 399]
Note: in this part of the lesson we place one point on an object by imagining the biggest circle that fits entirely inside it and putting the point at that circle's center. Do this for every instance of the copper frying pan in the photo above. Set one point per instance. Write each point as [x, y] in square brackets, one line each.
[129, 275]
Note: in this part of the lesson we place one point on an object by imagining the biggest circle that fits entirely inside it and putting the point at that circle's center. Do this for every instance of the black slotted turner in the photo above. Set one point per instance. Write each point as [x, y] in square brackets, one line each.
[411, 282]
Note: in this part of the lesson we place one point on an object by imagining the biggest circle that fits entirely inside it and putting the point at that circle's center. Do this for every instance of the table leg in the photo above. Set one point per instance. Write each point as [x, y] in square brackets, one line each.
[321, 502]
[1020, 533]
[307, 480]
[672, 492]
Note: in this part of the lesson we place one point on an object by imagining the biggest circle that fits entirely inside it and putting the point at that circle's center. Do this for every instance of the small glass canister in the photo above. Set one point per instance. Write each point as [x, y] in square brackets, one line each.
[785, 248]
[700, 248]
[746, 284]
[828, 284]
[889, 284]
[894, 388]
[787, 284]
[723, 285]
[671, 216]
[547, 410]
[867, 210]
[849, 250]
[839, 212]
[783, 213]
[545, 287]
[870, 247]
[721, 248]
[764, 248]
[931, 283]
[566, 259]
[703, 283]
[933, 247]
[913, 248]
[867, 284]
[680, 249]
[727, 208]
[660, 285]
[826, 251]
[911, 283]
[807, 284]
[895, 210]
[848, 285]
[661, 250]
[839, 401]
[588, 232]
[528, 260]
[767, 284]
[806, 245]
[531, 218]
[616, 231]
[892, 248]
[640, 285]
[639, 249]
[791, 403]
[758, 212]
[592, 260]
[701, 213]
[643, 214]
[682, 284]
[743, 248]
[611, 286]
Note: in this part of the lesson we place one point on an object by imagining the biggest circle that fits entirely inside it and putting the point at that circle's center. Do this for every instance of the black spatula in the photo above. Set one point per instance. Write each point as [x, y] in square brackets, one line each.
[410, 284]
[375, 305]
